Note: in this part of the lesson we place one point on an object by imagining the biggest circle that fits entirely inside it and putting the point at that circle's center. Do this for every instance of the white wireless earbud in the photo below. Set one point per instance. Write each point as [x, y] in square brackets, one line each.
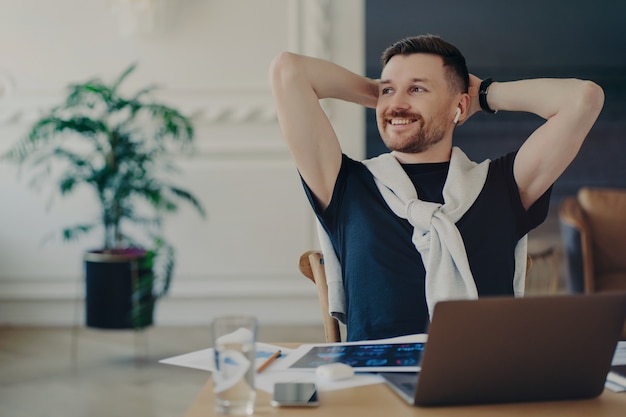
[458, 114]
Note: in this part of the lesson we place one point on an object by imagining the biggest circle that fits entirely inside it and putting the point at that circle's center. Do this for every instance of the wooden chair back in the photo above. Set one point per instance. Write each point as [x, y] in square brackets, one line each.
[312, 266]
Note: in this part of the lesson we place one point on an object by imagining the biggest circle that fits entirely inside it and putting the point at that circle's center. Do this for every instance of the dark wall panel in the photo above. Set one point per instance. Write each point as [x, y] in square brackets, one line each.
[510, 40]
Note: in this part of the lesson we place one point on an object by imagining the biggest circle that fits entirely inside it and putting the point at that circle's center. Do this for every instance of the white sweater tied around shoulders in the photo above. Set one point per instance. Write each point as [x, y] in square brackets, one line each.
[435, 235]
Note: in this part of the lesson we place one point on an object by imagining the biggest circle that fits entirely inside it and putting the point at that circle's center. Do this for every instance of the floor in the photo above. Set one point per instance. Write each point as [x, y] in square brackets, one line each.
[113, 374]
[116, 373]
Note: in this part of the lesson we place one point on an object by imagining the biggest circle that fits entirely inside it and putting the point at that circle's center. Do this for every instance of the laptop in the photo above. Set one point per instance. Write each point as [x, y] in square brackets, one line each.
[503, 350]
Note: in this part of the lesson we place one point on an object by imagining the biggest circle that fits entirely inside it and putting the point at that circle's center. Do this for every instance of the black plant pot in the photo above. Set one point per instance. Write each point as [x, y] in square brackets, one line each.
[118, 289]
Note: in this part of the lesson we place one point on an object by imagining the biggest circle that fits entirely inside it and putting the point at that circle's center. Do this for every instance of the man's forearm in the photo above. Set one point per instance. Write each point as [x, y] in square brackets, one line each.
[570, 108]
[329, 80]
[546, 97]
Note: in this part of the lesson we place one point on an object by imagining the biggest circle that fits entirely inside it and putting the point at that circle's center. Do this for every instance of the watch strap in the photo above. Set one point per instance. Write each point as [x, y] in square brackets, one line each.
[482, 95]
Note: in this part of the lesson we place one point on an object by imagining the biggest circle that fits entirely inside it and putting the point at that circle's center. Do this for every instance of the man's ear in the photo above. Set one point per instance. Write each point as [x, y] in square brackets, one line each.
[463, 109]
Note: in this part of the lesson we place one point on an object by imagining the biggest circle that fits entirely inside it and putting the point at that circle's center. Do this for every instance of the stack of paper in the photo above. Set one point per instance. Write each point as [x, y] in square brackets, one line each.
[279, 371]
[616, 379]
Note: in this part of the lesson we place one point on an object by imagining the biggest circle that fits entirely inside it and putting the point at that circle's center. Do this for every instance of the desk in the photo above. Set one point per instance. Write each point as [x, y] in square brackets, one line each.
[379, 400]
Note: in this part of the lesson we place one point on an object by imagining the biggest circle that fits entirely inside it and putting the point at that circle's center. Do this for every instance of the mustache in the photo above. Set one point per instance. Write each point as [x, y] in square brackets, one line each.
[404, 114]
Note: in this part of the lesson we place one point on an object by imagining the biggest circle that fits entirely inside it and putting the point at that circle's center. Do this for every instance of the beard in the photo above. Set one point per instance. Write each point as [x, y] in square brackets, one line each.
[420, 140]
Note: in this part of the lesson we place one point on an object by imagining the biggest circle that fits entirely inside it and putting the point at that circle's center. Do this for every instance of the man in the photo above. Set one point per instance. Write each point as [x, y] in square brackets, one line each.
[398, 252]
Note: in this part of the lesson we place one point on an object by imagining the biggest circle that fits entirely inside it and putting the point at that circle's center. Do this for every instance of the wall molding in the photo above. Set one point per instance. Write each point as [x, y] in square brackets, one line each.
[190, 302]
[209, 287]
[6, 86]
[309, 26]
[317, 28]
[209, 107]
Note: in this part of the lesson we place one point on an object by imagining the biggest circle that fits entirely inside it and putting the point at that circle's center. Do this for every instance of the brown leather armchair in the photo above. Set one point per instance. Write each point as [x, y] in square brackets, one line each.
[593, 230]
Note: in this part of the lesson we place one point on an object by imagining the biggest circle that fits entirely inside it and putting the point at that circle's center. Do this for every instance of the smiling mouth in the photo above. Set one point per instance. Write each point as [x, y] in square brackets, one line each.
[400, 122]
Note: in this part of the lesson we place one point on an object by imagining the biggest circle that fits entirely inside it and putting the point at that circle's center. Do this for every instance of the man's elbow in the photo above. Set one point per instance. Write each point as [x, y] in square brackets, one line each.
[591, 98]
[283, 68]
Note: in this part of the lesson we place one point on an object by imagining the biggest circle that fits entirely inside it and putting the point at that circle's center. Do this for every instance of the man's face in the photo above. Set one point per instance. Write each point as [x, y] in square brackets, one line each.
[413, 110]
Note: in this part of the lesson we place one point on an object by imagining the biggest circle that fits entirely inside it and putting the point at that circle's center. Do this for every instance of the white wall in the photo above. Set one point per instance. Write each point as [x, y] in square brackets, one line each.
[211, 59]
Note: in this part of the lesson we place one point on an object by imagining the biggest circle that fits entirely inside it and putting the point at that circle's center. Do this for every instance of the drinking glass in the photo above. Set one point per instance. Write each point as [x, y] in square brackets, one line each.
[233, 379]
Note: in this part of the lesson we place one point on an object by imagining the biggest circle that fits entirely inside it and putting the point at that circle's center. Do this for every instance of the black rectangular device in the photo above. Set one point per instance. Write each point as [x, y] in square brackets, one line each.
[295, 394]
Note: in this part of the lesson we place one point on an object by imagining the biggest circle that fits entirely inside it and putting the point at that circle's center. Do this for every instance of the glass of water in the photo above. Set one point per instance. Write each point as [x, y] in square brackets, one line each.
[233, 379]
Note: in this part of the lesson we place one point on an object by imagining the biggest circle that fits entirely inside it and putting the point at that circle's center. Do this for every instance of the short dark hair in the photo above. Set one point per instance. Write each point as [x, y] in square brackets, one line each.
[453, 59]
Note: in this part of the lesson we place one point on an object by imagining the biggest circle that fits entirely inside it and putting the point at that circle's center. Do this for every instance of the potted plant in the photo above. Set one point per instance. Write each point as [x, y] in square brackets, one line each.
[121, 147]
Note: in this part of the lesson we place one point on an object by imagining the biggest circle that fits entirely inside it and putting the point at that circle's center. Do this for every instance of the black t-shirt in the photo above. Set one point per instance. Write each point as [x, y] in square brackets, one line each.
[383, 273]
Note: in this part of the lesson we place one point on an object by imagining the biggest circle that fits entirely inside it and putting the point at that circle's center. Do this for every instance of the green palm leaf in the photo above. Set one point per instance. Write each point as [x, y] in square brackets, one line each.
[119, 146]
